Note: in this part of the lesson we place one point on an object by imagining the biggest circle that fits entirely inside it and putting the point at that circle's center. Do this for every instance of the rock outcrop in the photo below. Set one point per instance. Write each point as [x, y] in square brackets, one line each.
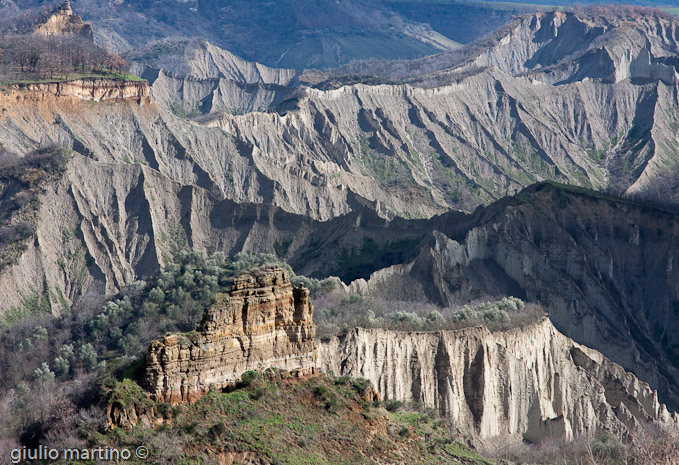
[90, 89]
[63, 21]
[262, 323]
[140, 173]
[529, 383]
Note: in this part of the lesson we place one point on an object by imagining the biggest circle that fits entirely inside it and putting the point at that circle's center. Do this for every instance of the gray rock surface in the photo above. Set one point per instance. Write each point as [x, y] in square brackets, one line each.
[528, 383]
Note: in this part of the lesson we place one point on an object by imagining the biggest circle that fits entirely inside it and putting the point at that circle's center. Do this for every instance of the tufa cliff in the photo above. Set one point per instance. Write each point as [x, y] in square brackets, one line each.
[63, 21]
[528, 383]
[88, 89]
[262, 323]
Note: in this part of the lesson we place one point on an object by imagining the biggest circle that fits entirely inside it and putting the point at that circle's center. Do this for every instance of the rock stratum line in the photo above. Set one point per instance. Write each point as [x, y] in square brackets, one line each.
[262, 323]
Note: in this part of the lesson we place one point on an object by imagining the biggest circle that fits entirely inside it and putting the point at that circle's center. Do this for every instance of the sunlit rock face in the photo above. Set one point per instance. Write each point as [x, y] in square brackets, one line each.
[529, 383]
[263, 322]
[64, 22]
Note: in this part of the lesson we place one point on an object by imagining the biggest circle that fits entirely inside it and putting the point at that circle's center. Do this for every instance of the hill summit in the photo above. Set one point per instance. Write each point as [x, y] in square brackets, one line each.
[63, 21]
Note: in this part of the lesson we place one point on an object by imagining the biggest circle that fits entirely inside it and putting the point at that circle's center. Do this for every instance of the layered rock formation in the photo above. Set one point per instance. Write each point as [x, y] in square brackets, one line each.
[88, 89]
[262, 323]
[63, 21]
[141, 176]
[530, 383]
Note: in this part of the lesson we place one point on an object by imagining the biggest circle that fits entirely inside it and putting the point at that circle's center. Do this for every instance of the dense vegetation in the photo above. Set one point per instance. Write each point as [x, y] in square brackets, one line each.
[51, 363]
[60, 373]
[337, 312]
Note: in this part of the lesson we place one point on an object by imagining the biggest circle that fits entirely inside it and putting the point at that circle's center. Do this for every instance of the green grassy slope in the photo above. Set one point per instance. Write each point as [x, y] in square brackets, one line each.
[273, 418]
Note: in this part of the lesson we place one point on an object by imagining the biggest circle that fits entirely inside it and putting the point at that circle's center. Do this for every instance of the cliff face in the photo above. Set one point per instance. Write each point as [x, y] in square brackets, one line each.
[141, 175]
[262, 323]
[604, 269]
[559, 47]
[530, 383]
[92, 89]
[403, 150]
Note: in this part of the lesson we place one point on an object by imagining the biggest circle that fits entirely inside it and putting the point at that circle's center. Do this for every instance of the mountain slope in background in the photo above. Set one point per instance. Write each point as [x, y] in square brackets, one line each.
[290, 33]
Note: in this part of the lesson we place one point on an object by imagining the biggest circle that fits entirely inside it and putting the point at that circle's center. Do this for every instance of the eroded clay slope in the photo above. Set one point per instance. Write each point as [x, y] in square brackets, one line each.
[604, 268]
[406, 151]
[531, 383]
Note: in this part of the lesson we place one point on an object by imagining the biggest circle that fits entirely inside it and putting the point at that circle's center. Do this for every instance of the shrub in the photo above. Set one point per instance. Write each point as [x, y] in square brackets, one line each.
[465, 314]
[61, 366]
[248, 378]
[435, 318]
[393, 405]
[402, 318]
[495, 315]
[43, 374]
[607, 446]
[88, 356]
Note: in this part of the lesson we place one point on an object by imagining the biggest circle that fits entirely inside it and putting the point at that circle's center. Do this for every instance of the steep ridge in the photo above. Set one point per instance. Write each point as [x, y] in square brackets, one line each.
[204, 60]
[191, 154]
[144, 172]
[590, 100]
[528, 383]
[204, 79]
[604, 269]
[199, 97]
[406, 151]
[104, 225]
[611, 46]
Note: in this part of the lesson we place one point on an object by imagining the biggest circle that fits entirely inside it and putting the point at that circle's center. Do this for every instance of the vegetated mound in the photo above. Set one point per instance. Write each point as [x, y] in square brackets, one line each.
[57, 47]
[339, 309]
[274, 418]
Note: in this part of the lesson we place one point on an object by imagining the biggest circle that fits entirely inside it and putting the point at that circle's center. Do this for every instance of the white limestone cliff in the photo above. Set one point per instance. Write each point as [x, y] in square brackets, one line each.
[529, 383]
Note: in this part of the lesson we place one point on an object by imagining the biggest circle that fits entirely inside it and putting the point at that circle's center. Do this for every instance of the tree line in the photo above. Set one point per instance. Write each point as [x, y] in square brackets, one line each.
[33, 56]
